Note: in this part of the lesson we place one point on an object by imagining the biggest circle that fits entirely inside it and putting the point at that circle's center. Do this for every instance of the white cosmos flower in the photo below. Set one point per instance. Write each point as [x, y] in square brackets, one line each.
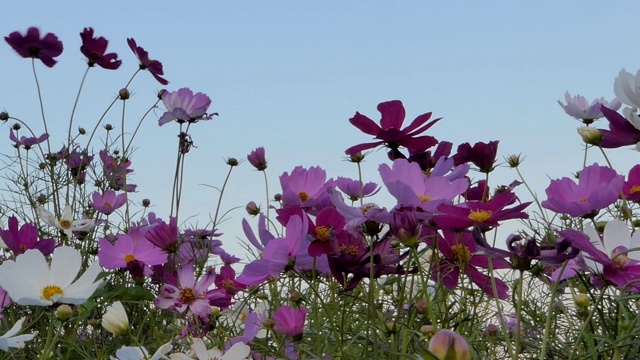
[66, 223]
[627, 88]
[30, 280]
[140, 353]
[238, 351]
[115, 319]
[10, 340]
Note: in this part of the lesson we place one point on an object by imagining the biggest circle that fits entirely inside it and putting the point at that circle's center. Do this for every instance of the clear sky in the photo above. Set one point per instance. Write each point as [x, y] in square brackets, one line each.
[287, 75]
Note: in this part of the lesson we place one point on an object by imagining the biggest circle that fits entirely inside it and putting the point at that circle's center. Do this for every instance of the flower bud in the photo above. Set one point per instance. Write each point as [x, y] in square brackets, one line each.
[82, 131]
[115, 320]
[277, 197]
[448, 345]
[257, 159]
[356, 158]
[146, 202]
[591, 136]
[124, 94]
[514, 160]
[16, 126]
[4, 116]
[161, 92]
[252, 209]
[427, 330]
[64, 312]
[232, 161]
[421, 306]
[108, 127]
[582, 300]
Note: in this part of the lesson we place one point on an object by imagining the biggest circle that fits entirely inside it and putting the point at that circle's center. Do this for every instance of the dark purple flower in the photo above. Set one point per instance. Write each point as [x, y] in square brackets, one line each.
[460, 255]
[25, 238]
[482, 155]
[621, 131]
[324, 235]
[26, 142]
[390, 132]
[31, 45]
[95, 51]
[257, 159]
[154, 66]
[597, 187]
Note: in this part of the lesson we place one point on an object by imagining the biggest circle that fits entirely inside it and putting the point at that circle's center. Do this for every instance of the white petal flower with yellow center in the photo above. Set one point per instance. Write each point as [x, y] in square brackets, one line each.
[30, 280]
[140, 353]
[66, 223]
[115, 320]
[10, 340]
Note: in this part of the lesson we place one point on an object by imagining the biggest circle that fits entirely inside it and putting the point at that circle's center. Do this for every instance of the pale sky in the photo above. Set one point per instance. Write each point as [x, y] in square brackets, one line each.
[287, 75]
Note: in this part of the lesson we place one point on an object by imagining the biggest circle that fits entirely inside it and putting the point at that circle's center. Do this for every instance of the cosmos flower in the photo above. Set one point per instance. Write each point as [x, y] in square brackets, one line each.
[11, 340]
[622, 130]
[484, 214]
[187, 294]
[608, 255]
[108, 202]
[140, 353]
[184, 106]
[578, 107]
[27, 142]
[154, 66]
[95, 51]
[199, 351]
[447, 344]
[115, 319]
[304, 187]
[290, 321]
[25, 238]
[127, 248]
[31, 45]
[31, 280]
[483, 155]
[257, 159]
[597, 187]
[66, 223]
[631, 188]
[626, 86]
[390, 132]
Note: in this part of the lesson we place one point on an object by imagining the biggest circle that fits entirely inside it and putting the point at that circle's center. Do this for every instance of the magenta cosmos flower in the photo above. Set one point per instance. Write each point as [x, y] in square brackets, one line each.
[258, 159]
[185, 294]
[411, 187]
[484, 214]
[597, 187]
[290, 321]
[355, 189]
[609, 255]
[631, 188]
[390, 132]
[108, 202]
[95, 48]
[304, 187]
[622, 130]
[25, 238]
[31, 45]
[154, 66]
[128, 248]
[482, 155]
[460, 256]
[184, 106]
[26, 142]
[579, 108]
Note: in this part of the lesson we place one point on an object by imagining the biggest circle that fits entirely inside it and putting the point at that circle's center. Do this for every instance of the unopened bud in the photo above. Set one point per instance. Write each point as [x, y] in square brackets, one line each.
[4, 116]
[16, 126]
[160, 93]
[427, 330]
[63, 312]
[277, 197]
[124, 94]
[232, 161]
[582, 300]
[146, 202]
[448, 345]
[514, 160]
[82, 131]
[108, 127]
[252, 209]
[356, 158]
[591, 136]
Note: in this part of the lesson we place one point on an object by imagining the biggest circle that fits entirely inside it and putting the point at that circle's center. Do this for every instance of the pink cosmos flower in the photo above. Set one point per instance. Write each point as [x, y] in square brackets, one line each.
[597, 187]
[25, 238]
[390, 132]
[324, 234]
[31, 45]
[185, 294]
[608, 255]
[129, 248]
[257, 159]
[631, 188]
[26, 142]
[412, 188]
[304, 187]
[184, 106]
[154, 66]
[367, 219]
[290, 321]
[578, 107]
[460, 255]
[356, 190]
[108, 202]
[95, 51]
[484, 214]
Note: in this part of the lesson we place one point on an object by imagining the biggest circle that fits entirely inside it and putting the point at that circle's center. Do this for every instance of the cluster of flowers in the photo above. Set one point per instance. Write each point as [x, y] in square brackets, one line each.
[418, 270]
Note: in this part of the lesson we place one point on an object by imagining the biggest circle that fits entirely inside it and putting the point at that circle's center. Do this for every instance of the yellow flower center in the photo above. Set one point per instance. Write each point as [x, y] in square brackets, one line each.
[50, 290]
[366, 207]
[348, 249]
[461, 253]
[424, 199]
[634, 189]
[187, 295]
[322, 233]
[228, 285]
[619, 259]
[480, 215]
[130, 258]
[107, 204]
[303, 196]
[584, 200]
[65, 224]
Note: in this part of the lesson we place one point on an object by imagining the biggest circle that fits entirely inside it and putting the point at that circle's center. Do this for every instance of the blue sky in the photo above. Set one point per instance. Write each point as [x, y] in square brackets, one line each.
[288, 75]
